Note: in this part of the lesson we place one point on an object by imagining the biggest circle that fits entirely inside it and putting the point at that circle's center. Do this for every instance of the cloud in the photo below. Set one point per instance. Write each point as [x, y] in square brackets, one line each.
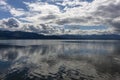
[3, 5]
[99, 12]
[109, 13]
[73, 14]
[17, 12]
[10, 24]
[43, 13]
[70, 12]
[13, 24]
[2, 2]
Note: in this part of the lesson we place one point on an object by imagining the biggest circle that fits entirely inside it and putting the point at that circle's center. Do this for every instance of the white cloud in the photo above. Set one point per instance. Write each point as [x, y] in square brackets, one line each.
[13, 24]
[2, 2]
[81, 15]
[3, 5]
[17, 12]
[74, 12]
[39, 11]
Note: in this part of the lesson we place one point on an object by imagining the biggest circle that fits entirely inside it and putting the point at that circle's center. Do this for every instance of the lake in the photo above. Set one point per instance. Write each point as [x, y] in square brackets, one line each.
[59, 60]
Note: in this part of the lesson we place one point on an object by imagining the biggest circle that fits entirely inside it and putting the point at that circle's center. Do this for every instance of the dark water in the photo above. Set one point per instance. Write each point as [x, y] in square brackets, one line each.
[59, 60]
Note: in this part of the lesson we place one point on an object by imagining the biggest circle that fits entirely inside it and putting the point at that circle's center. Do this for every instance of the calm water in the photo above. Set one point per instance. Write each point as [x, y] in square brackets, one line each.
[59, 60]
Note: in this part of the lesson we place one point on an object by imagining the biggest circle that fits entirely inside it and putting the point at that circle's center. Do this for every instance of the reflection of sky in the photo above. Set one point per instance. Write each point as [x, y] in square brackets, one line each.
[48, 58]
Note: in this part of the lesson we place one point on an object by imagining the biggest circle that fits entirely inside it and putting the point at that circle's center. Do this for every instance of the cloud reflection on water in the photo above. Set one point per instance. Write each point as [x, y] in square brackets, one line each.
[90, 60]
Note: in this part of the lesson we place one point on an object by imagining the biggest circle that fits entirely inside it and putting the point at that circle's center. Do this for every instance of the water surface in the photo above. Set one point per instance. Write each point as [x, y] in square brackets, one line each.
[59, 60]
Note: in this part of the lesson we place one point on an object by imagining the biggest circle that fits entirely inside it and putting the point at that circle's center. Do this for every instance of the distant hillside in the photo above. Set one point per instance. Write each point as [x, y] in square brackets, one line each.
[24, 35]
[30, 35]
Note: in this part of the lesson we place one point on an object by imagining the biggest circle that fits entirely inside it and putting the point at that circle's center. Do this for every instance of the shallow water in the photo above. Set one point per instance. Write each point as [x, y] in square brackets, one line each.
[59, 60]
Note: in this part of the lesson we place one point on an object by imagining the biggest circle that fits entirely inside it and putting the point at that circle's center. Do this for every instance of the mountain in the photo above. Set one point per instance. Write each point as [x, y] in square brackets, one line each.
[12, 29]
[24, 35]
[31, 35]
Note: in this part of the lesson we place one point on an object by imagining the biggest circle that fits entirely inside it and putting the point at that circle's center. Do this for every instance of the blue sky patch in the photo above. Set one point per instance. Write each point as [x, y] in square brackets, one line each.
[74, 27]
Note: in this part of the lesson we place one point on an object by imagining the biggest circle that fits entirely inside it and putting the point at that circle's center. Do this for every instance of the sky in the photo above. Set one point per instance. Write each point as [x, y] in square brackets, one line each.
[61, 16]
